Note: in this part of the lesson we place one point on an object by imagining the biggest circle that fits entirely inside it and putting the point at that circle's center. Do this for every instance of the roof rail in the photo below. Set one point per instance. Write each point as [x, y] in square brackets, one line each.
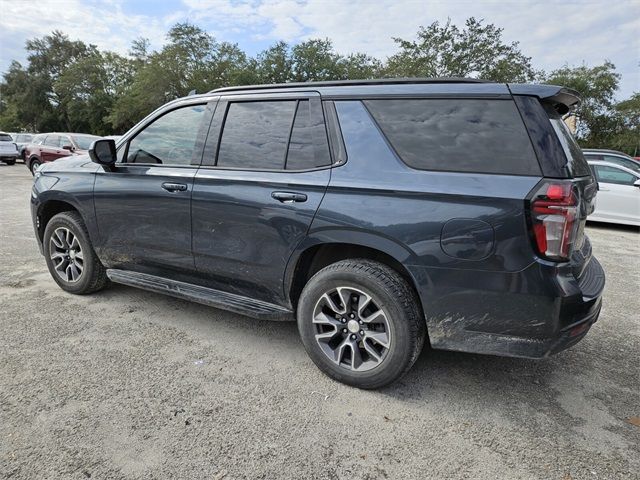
[348, 83]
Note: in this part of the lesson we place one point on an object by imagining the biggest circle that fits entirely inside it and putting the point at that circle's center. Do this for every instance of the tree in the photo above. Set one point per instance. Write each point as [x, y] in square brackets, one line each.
[476, 50]
[627, 137]
[191, 60]
[275, 65]
[596, 119]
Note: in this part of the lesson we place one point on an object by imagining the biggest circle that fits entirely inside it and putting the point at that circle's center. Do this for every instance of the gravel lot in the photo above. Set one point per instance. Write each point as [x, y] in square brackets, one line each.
[130, 384]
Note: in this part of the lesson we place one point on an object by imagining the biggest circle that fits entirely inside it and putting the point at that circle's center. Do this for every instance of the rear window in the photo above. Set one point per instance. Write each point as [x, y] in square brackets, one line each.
[5, 137]
[461, 135]
[576, 163]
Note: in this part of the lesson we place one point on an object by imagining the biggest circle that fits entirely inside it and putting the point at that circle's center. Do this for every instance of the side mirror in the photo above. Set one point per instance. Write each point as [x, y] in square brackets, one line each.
[68, 146]
[103, 152]
[637, 183]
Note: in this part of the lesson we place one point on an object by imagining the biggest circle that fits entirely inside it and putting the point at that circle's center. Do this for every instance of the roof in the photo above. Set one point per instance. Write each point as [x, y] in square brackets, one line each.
[351, 83]
[603, 150]
[563, 98]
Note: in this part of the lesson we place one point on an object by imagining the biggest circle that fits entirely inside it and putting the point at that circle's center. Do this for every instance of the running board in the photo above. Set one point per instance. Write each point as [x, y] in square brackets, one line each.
[206, 296]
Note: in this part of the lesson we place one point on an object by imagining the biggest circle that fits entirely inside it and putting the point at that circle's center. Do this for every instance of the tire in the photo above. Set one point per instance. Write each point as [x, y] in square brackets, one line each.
[10, 162]
[33, 166]
[392, 316]
[57, 241]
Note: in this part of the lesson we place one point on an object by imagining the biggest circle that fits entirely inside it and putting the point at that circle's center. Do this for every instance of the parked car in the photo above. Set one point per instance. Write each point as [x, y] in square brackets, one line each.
[22, 140]
[47, 147]
[8, 149]
[612, 156]
[619, 193]
[353, 207]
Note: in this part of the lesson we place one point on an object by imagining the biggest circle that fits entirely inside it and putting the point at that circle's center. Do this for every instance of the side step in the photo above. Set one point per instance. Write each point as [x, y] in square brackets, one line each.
[206, 296]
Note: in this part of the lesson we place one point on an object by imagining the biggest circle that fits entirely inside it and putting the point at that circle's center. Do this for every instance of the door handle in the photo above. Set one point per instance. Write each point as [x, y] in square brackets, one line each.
[174, 187]
[289, 197]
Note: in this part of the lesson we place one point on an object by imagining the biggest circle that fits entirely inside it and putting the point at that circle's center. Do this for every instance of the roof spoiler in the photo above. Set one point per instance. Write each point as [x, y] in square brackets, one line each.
[563, 99]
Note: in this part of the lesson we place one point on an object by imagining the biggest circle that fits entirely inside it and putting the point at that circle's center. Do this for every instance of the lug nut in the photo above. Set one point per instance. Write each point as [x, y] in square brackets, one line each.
[353, 336]
[343, 320]
[352, 315]
[344, 330]
[361, 322]
[361, 332]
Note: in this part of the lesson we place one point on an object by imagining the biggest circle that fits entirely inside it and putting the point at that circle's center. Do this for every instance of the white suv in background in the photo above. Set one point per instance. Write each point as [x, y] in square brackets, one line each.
[8, 149]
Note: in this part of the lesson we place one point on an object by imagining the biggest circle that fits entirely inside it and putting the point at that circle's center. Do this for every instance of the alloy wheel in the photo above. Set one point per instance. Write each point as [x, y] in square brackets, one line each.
[66, 254]
[351, 328]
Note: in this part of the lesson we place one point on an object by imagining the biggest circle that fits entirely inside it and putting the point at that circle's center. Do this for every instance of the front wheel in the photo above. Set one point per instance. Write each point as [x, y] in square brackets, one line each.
[71, 260]
[360, 323]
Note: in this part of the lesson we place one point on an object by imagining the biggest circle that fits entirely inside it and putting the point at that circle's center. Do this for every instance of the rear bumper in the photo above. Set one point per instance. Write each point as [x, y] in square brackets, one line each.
[551, 317]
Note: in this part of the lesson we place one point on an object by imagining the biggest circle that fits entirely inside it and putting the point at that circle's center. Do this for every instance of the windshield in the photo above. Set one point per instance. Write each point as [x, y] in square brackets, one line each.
[5, 137]
[84, 141]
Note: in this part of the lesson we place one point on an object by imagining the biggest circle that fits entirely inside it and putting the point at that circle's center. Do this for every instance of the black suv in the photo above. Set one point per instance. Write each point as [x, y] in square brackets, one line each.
[376, 213]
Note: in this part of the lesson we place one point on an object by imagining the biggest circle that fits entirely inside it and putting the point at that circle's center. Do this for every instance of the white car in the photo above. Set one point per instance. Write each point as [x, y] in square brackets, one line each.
[8, 149]
[618, 199]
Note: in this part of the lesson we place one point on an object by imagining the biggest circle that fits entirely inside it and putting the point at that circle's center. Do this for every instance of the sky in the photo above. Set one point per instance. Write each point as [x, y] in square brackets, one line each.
[553, 33]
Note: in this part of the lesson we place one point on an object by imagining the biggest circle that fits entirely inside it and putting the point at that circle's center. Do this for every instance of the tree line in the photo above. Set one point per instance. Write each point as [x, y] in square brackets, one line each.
[68, 85]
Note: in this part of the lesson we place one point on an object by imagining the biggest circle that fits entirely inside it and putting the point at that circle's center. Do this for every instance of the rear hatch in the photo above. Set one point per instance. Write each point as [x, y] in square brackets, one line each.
[559, 205]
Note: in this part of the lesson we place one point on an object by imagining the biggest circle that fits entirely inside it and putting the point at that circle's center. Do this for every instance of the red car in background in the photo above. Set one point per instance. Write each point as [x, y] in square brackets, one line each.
[47, 147]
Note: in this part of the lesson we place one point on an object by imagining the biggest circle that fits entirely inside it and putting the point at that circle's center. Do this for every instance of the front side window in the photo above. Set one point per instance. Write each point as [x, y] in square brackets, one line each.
[606, 174]
[169, 140]
[460, 135]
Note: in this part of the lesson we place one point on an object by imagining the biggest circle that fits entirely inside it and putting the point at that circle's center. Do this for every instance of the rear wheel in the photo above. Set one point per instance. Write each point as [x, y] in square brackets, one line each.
[9, 162]
[33, 166]
[360, 323]
[71, 260]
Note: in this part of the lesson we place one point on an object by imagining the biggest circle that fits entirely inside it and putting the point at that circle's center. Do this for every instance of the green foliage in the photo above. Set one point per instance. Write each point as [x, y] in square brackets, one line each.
[476, 51]
[69, 85]
[597, 87]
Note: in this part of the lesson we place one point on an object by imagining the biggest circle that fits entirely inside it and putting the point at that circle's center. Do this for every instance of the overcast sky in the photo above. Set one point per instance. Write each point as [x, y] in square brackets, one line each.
[553, 33]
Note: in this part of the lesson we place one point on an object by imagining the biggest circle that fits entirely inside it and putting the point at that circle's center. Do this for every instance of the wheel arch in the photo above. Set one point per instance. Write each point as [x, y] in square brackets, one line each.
[318, 251]
[51, 207]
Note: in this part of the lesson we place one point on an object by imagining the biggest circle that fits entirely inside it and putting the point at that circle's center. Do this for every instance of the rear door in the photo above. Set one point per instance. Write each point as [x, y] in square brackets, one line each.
[618, 198]
[265, 169]
[143, 206]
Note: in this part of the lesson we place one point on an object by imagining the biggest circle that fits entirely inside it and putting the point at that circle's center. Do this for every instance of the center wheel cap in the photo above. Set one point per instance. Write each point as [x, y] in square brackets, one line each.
[353, 326]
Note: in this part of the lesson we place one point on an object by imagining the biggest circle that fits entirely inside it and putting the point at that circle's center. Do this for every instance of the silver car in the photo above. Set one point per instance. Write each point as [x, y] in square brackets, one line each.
[8, 149]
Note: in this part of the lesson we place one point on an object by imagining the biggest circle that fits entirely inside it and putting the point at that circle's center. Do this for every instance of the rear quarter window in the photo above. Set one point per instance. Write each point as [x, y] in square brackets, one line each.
[460, 135]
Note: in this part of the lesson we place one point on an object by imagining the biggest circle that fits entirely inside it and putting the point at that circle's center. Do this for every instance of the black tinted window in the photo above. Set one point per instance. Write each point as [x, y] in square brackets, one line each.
[169, 140]
[255, 135]
[463, 135]
[5, 137]
[308, 147]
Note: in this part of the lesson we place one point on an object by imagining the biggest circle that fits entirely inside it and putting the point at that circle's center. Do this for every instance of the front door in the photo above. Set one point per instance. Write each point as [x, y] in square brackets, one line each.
[143, 206]
[264, 174]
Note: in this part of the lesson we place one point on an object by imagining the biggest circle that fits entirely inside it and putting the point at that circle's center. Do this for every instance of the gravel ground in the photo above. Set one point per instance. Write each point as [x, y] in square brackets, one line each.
[129, 384]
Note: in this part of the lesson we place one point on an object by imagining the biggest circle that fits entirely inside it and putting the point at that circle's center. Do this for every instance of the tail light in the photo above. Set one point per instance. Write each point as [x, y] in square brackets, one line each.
[554, 217]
